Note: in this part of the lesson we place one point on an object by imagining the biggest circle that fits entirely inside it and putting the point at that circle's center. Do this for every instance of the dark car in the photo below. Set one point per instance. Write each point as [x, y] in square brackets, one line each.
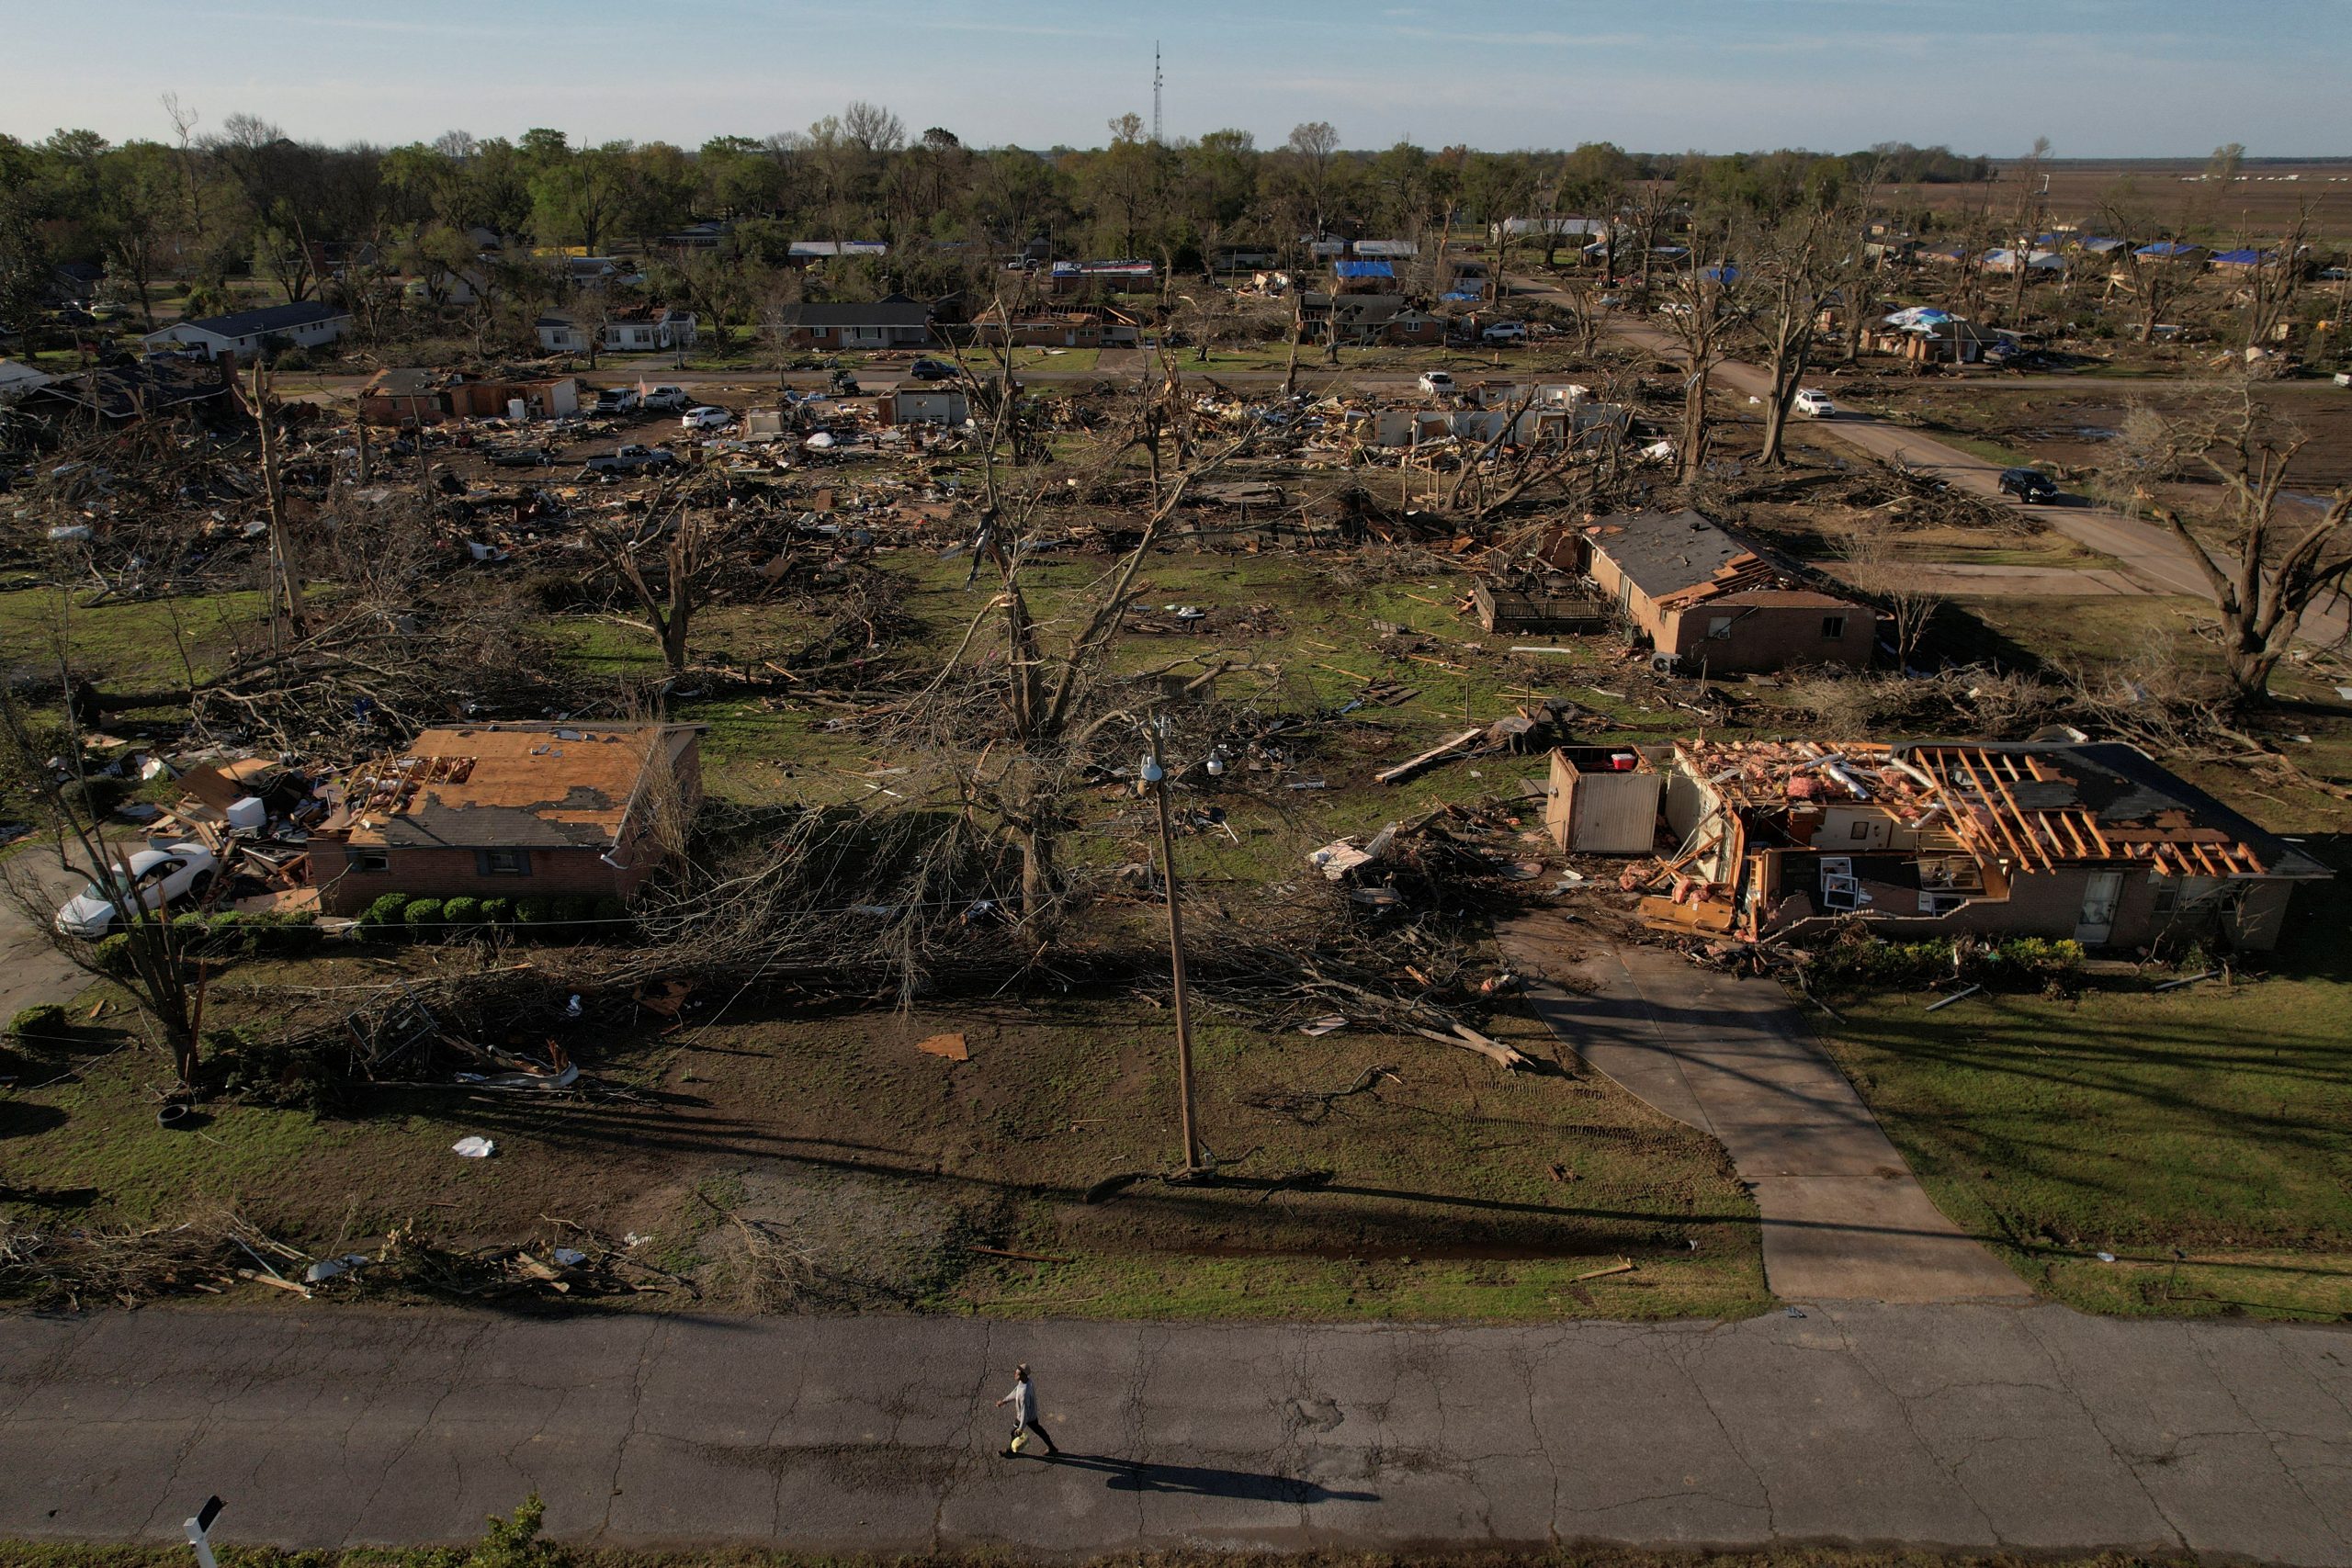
[2028, 485]
[522, 458]
[932, 370]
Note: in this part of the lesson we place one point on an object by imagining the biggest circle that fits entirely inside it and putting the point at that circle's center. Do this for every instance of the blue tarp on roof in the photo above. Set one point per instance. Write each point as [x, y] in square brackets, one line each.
[2165, 249]
[1461, 293]
[2242, 258]
[1362, 269]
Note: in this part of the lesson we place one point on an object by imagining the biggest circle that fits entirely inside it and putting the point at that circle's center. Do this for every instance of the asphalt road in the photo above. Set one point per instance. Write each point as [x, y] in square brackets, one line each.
[1980, 1428]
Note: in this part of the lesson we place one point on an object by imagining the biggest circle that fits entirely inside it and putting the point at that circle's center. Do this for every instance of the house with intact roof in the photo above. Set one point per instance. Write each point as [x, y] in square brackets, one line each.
[507, 811]
[246, 333]
[894, 321]
[1697, 593]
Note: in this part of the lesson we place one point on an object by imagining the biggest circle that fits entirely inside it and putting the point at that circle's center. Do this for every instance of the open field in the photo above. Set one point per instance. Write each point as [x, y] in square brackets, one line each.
[2262, 203]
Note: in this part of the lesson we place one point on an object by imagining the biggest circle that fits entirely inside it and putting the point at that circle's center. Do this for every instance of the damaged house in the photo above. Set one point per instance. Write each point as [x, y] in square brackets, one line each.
[2064, 839]
[1699, 594]
[507, 810]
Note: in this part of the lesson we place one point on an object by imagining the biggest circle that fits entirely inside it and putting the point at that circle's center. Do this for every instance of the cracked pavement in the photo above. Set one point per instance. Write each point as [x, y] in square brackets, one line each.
[1978, 1426]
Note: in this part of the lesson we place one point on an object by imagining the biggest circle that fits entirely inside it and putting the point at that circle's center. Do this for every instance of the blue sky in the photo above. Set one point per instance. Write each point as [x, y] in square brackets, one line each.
[2101, 78]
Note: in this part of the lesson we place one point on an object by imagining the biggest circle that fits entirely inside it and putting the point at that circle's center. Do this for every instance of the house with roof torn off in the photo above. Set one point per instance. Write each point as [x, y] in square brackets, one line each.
[2054, 838]
[507, 810]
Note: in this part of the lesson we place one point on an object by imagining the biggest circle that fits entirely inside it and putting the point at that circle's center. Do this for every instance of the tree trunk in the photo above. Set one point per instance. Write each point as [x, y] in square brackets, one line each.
[1694, 420]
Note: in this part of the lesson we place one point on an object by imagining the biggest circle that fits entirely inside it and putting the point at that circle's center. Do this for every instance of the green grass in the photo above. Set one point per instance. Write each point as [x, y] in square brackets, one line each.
[127, 644]
[2216, 1119]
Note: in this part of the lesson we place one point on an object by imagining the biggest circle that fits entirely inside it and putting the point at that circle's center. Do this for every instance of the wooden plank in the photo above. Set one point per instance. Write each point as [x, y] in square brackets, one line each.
[1406, 769]
[2025, 824]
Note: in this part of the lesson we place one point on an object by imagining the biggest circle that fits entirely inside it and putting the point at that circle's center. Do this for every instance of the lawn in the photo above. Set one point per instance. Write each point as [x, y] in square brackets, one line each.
[2215, 1119]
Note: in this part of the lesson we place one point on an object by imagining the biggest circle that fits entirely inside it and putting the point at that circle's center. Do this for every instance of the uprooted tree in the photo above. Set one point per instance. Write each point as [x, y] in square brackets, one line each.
[2271, 560]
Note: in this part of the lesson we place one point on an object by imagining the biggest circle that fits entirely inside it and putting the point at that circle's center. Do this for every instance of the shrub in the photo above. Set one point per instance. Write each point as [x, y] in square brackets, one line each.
[498, 911]
[576, 915]
[423, 918]
[384, 912]
[289, 931]
[535, 911]
[42, 1020]
[97, 796]
[230, 931]
[612, 918]
[308, 1074]
[112, 955]
[552, 590]
[462, 914]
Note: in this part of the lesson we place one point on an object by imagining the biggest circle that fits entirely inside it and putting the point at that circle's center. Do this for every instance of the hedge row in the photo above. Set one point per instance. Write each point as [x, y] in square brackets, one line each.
[397, 915]
[2024, 960]
[289, 932]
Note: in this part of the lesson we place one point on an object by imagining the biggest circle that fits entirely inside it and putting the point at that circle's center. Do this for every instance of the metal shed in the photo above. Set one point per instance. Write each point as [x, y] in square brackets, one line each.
[1604, 801]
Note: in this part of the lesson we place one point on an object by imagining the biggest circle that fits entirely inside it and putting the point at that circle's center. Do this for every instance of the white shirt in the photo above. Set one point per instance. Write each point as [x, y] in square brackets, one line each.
[1021, 1398]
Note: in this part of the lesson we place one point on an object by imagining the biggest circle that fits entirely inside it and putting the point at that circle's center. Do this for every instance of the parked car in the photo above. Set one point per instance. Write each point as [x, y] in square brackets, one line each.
[631, 460]
[2028, 485]
[616, 400]
[932, 370]
[707, 417]
[1437, 383]
[670, 399]
[157, 877]
[522, 458]
[1505, 331]
[1812, 405]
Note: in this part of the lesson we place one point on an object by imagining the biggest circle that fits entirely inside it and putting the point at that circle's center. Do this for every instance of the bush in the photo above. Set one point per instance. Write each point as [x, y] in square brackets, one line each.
[112, 955]
[289, 931]
[462, 914]
[552, 590]
[307, 1074]
[97, 796]
[576, 916]
[422, 918]
[612, 918]
[230, 931]
[384, 913]
[41, 1021]
[498, 911]
[535, 911]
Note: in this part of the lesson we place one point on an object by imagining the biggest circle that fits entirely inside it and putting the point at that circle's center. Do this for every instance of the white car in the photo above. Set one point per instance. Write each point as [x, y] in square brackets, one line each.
[157, 877]
[1436, 383]
[706, 417]
[1506, 331]
[661, 398]
[1812, 405]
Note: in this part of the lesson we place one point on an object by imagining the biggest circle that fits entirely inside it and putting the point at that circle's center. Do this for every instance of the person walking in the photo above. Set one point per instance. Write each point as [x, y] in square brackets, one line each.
[1022, 1397]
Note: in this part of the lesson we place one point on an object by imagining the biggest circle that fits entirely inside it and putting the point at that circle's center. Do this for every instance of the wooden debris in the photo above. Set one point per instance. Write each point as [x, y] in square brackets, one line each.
[951, 1046]
[1405, 770]
[1623, 1265]
[1019, 1256]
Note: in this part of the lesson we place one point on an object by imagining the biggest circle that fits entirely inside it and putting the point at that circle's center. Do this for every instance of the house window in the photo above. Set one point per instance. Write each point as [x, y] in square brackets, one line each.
[503, 863]
[1833, 628]
[1861, 829]
[1719, 627]
[2168, 899]
[368, 861]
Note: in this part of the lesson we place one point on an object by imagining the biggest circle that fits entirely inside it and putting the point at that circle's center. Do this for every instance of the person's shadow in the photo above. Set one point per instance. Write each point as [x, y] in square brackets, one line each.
[1203, 1480]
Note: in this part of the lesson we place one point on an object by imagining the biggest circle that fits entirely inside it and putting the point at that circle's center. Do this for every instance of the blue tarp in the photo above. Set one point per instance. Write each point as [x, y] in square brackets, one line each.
[1362, 269]
[2242, 258]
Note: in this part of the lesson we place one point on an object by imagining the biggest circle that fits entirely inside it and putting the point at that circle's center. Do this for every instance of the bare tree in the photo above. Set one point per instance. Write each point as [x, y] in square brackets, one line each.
[2276, 558]
[1707, 305]
[1883, 571]
[680, 536]
[1793, 260]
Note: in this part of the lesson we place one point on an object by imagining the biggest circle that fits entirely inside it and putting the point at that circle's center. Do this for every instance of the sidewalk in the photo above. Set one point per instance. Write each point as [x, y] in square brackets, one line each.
[1977, 1426]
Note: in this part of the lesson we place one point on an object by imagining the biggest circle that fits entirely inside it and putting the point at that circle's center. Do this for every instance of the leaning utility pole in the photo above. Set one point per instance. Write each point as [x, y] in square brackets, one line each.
[1155, 773]
[288, 614]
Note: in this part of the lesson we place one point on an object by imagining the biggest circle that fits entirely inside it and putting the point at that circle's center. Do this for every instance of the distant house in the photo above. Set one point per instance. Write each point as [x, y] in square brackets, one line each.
[893, 322]
[2004, 259]
[248, 334]
[507, 810]
[561, 332]
[407, 397]
[1129, 276]
[1367, 319]
[706, 236]
[2179, 252]
[1561, 227]
[1084, 327]
[1365, 276]
[808, 253]
[1386, 250]
[645, 329]
[1697, 593]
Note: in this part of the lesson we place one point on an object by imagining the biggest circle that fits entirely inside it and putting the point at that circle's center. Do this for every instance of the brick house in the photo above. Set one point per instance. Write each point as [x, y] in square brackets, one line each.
[507, 811]
[2056, 837]
[896, 322]
[1699, 593]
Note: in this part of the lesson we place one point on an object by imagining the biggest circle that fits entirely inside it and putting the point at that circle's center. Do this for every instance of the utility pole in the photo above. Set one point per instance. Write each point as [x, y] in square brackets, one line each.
[1155, 773]
[1155, 92]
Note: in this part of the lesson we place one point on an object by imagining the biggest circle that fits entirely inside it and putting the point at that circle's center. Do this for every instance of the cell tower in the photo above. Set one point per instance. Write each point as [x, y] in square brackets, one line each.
[1155, 91]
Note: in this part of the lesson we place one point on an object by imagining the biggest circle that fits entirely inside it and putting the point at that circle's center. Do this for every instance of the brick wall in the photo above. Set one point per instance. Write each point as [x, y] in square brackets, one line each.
[440, 872]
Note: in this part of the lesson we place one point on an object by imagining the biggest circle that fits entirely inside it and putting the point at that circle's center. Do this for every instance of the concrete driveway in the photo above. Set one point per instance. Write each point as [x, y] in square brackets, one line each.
[1843, 1217]
[1977, 1428]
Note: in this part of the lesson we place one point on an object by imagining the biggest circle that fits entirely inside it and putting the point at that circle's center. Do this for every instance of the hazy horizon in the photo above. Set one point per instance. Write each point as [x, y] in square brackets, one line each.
[2103, 79]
